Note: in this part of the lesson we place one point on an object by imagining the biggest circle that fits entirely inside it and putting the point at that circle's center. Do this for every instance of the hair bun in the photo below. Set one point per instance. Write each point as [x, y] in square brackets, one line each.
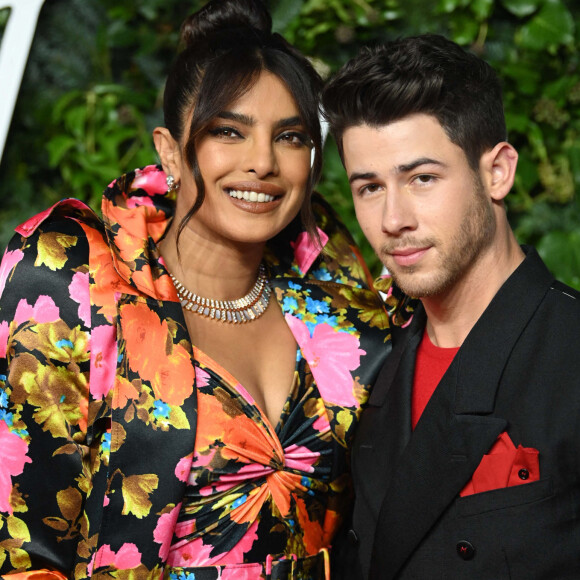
[219, 15]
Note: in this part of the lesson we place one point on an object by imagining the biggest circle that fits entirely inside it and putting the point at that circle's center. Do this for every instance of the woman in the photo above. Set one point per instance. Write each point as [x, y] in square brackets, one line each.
[149, 432]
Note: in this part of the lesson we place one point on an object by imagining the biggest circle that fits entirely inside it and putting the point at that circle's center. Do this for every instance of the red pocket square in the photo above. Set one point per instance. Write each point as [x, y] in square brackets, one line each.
[504, 466]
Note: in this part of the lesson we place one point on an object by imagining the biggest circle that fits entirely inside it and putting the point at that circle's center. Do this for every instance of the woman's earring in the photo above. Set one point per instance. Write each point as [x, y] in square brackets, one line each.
[172, 185]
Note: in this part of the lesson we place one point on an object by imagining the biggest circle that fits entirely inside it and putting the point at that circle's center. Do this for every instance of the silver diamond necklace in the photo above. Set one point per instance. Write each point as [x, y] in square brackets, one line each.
[245, 309]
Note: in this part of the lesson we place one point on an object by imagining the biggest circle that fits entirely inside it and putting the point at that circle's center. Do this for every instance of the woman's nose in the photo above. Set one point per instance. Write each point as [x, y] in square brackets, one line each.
[262, 159]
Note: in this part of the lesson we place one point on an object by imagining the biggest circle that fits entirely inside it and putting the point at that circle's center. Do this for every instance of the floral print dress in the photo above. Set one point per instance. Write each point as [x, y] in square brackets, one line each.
[126, 453]
[260, 496]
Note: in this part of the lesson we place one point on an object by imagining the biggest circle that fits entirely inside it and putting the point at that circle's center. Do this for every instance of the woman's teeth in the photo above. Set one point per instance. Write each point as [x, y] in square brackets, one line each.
[251, 196]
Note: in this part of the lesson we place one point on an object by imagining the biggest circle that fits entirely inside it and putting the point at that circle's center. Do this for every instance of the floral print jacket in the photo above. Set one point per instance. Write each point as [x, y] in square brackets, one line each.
[97, 383]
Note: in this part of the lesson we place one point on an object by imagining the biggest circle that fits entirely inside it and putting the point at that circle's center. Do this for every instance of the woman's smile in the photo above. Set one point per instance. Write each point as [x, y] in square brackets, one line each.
[255, 162]
[255, 197]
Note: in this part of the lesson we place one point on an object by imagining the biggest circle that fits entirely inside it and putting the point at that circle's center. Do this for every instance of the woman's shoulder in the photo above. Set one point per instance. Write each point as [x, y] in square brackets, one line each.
[49, 248]
[66, 214]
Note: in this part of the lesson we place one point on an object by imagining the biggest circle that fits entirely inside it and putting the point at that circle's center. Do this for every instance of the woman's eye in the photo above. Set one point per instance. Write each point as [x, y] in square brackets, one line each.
[224, 132]
[295, 138]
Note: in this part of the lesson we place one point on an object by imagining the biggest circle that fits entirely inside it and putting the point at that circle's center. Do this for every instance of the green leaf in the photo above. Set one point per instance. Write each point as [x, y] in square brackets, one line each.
[561, 252]
[517, 122]
[58, 147]
[552, 27]
[574, 155]
[465, 29]
[521, 8]
[284, 12]
[559, 89]
[448, 6]
[481, 8]
[75, 119]
[527, 78]
[527, 172]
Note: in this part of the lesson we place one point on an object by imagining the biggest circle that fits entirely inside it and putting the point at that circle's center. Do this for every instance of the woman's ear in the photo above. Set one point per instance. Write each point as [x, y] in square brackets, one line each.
[498, 166]
[168, 151]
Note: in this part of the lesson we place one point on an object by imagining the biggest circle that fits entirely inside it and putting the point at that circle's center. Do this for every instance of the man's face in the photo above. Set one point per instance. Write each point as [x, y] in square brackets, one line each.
[420, 205]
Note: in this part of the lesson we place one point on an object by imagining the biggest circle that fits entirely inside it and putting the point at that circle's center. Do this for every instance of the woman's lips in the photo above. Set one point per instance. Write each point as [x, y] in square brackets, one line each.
[408, 256]
[253, 196]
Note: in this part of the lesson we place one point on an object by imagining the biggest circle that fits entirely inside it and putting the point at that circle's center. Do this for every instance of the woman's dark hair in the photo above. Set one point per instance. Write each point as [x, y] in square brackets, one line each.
[422, 74]
[228, 44]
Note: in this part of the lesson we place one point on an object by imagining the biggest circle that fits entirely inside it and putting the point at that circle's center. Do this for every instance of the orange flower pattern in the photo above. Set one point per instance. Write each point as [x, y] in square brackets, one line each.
[102, 394]
[256, 488]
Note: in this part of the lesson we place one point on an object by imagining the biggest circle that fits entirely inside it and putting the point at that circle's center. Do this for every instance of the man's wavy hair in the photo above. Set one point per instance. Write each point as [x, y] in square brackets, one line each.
[425, 74]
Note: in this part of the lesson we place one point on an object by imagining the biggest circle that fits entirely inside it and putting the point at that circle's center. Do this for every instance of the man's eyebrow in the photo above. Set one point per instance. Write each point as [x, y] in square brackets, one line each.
[406, 167]
[368, 175]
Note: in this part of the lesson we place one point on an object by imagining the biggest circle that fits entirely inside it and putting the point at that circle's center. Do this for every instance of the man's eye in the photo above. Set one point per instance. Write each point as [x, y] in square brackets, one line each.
[369, 188]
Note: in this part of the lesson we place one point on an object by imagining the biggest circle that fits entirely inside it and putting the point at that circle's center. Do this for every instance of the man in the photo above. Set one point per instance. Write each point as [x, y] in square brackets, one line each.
[466, 462]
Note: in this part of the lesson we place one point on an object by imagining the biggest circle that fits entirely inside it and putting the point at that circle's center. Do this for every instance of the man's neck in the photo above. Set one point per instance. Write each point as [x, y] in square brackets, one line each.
[452, 315]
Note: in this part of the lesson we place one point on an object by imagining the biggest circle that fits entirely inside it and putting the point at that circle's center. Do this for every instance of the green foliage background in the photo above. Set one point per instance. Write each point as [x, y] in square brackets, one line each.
[91, 96]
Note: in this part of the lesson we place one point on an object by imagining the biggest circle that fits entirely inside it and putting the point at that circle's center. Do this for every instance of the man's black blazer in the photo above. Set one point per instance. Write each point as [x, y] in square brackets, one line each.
[518, 371]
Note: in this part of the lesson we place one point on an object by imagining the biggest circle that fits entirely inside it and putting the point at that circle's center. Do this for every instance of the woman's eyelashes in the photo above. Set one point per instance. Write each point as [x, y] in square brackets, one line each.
[294, 138]
[225, 132]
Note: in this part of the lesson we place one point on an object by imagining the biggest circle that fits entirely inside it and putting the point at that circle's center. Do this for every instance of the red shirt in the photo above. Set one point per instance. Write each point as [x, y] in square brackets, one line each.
[430, 366]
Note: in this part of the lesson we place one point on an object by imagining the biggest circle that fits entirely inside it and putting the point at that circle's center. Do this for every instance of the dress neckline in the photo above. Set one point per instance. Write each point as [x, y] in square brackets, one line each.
[201, 357]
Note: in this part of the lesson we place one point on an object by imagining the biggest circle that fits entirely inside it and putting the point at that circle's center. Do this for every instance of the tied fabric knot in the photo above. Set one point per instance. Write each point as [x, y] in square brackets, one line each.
[504, 466]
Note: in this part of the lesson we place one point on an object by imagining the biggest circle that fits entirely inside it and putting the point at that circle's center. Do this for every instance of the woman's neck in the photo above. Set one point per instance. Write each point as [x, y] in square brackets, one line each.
[222, 271]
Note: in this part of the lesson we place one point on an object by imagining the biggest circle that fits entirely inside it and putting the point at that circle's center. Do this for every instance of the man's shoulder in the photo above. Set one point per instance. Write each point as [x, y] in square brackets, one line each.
[563, 304]
[565, 292]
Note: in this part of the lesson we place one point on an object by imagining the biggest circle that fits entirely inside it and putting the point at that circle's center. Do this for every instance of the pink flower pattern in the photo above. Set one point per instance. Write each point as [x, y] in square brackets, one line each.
[44, 310]
[4, 334]
[14, 458]
[103, 360]
[163, 533]
[331, 354]
[305, 252]
[79, 292]
[9, 260]
[127, 557]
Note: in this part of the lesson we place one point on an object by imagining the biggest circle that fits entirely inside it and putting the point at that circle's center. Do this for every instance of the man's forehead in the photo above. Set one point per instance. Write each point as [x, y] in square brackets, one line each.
[399, 146]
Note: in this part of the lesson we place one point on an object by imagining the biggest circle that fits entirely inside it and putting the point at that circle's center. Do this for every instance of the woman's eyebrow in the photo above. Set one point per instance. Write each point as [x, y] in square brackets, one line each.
[250, 121]
[238, 117]
[289, 122]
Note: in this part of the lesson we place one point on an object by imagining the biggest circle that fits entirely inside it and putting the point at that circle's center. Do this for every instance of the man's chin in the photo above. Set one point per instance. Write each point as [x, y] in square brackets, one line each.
[419, 286]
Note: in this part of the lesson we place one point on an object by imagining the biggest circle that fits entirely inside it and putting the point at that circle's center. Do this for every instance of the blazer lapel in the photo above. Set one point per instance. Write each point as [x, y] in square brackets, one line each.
[457, 428]
[150, 453]
[440, 457]
[382, 435]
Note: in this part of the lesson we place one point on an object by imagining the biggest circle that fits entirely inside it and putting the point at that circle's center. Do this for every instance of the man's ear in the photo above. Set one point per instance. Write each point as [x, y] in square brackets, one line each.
[168, 151]
[498, 169]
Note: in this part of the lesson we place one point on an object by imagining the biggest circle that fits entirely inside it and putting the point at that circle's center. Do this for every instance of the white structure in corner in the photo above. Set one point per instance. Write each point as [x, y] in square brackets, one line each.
[14, 51]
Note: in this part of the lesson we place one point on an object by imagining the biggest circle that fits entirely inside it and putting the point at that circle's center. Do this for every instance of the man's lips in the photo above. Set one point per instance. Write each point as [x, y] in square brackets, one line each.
[408, 256]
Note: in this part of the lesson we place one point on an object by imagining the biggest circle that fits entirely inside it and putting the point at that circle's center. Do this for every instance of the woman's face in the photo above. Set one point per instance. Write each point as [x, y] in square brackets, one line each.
[255, 161]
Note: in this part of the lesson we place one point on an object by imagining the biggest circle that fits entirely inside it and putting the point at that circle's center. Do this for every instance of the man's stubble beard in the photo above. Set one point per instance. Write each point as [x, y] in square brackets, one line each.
[475, 234]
